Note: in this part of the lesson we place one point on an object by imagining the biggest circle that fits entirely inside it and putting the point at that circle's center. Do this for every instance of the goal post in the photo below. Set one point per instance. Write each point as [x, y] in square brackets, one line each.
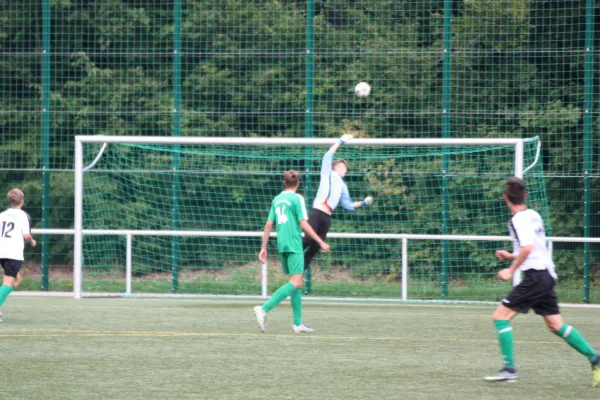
[128, 181]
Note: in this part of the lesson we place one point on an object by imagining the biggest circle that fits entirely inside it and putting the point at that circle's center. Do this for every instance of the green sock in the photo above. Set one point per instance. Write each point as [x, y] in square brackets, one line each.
[4, 292]
[505, 338]
[279, 296]
[296, 299]
[576, 341]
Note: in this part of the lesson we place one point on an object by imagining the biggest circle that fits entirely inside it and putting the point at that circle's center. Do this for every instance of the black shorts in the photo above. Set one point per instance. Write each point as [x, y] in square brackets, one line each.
[535, 291]
[320, 221]
[11, 267]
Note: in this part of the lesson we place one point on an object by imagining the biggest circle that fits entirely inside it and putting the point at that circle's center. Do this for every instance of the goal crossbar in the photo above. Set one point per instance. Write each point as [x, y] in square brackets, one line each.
[297, 141]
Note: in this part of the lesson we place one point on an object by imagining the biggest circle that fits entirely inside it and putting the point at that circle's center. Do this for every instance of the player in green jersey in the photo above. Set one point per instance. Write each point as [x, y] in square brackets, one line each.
[288, 213]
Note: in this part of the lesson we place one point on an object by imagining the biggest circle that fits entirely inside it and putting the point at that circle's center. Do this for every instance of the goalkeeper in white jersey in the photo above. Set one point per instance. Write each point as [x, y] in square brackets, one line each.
[332, 191]
[15, 228]
[536, 291]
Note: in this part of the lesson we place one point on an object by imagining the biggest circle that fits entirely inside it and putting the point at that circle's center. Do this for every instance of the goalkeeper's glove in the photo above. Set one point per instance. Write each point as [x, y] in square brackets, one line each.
[344, 139]
[367, 201]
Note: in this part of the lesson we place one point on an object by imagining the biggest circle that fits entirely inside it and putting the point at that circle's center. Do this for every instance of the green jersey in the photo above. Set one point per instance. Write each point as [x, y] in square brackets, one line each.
[287, 210]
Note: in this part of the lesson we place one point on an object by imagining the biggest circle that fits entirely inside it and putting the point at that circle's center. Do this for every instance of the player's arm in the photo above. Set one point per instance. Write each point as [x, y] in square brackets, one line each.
[27, 231]
[30, 239]
[524, 234]
[302, 216]
[342, 140]
[519, 259]
[311, 232]
[348, 204]
[326, 163]
[504, 255]
[262, 256]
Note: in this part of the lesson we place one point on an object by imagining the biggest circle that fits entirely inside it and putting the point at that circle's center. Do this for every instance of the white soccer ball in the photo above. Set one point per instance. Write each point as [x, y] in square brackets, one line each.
[362, 89]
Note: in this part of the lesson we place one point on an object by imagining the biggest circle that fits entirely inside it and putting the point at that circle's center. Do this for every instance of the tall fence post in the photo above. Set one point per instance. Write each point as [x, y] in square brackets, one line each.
[309, 118]
[588, 103]
[176, 185]
[446, 80]
[78, 221]
[46, 21]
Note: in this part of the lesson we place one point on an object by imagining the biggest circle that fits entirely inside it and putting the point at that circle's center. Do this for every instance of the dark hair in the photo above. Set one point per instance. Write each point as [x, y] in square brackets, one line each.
[291, 178]
[515, 190]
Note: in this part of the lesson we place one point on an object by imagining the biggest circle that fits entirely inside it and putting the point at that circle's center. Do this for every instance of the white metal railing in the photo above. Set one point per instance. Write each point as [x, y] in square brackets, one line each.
[402, 239]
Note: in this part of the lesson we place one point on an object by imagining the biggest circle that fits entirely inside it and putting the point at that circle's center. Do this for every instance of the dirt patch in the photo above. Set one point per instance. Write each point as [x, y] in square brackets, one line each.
[53, 273]
[220, 274]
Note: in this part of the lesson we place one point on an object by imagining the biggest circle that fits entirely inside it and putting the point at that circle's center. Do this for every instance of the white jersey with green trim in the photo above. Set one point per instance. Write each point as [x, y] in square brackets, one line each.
[14, 223]
[526, 227]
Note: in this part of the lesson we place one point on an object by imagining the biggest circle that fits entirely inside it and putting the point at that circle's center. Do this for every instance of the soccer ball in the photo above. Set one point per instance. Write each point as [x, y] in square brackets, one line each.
[362, 89]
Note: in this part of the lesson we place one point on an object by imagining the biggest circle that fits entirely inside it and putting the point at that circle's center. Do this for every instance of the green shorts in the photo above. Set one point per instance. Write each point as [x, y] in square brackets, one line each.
[292, 263]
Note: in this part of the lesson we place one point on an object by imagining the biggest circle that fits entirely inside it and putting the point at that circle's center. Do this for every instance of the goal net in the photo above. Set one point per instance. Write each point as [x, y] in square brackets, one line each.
[185, 216]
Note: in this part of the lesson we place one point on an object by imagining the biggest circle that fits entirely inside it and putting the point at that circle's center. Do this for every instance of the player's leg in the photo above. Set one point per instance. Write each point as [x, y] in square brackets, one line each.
[502, 317]
[277, 297]
[11, 271]
[296, 270]
[570, 335]
[547, 307]
[320, 222]
[517, 301]
[18, 280]
[311, 248]
[307, 240]
[286, 290]
[574, 339]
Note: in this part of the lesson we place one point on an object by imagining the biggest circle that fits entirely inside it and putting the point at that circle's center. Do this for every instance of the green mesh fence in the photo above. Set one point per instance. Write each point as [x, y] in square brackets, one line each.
[220, 189]
[287, 68]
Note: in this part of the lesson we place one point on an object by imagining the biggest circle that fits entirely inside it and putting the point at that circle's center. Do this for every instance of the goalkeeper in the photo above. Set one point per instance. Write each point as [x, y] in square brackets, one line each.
[332, 191]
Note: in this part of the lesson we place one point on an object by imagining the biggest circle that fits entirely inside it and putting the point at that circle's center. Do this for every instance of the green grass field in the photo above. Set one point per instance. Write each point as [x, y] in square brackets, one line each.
[59, 348]
[246, 281]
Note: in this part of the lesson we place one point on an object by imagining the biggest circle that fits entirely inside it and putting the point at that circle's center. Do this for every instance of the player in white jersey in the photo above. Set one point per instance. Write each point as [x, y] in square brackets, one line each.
[15, 228]
[536, 291]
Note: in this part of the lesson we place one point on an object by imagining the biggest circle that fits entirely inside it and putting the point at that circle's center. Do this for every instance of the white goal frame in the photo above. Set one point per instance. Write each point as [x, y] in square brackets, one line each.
[518, 145]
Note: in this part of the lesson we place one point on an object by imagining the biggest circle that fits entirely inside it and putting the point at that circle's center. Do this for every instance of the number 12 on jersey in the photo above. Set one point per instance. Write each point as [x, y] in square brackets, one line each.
[6, 229]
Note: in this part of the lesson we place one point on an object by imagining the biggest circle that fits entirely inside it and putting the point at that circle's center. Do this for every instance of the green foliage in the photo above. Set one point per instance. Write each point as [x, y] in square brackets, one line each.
[516, 70]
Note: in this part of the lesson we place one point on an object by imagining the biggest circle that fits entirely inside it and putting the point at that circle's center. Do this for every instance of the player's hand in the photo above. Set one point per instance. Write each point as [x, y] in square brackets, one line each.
[262, 256]
[368, 200]
[33, 243]
[344, 139]
[505, 274]
[325, 247]
[503, 255]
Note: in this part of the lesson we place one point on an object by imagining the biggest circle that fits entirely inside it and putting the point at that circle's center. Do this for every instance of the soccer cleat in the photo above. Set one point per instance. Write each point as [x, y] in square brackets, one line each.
[261, 317]
[504, 375]
[302, 329]
[596, 372]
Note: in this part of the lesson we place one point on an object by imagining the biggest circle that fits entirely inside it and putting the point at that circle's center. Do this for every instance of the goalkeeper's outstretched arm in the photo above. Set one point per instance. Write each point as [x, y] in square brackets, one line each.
[328, 157]
[343, 140]
[351, 205]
